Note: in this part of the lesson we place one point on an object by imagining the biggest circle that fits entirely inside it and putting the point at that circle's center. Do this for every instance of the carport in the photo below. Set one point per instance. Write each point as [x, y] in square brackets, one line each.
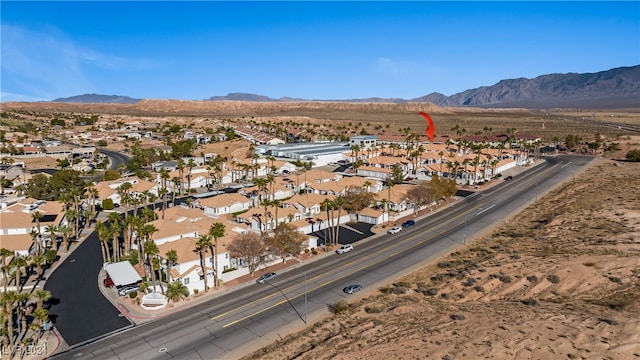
[122, 273]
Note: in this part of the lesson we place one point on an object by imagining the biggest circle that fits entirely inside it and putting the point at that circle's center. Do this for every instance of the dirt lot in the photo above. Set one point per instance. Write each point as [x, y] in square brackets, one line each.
[559, 281]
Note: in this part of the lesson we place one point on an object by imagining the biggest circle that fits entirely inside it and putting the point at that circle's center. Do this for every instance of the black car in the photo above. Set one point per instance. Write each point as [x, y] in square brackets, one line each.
[266, 277]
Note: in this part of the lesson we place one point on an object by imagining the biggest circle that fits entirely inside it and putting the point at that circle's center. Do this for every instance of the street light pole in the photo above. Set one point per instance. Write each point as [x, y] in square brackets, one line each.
[305, 297]
[464, 239]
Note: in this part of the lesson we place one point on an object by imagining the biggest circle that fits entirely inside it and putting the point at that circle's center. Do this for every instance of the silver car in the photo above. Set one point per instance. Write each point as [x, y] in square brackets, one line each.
[266, 277]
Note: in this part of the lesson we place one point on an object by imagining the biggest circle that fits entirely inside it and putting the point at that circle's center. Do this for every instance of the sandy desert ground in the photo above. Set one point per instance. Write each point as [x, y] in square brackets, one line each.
[561, 280]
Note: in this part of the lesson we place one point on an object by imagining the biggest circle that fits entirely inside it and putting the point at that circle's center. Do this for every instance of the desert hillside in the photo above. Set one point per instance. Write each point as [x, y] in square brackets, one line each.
[558, 281]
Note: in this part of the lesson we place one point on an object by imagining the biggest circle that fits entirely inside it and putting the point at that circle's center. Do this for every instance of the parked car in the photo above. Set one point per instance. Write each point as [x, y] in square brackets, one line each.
[408, 223]
[394, 230]
[353, 288]
[344, 248]
[266, 277]
[128, 289]
[108, 282]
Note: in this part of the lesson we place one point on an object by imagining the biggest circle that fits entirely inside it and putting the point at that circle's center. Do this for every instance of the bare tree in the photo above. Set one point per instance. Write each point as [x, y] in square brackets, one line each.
[286, 239]
[249, 248]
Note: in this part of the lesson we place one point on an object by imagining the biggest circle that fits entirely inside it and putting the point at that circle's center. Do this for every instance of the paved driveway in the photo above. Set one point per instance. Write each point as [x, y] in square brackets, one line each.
[78, 309]
[349, 233]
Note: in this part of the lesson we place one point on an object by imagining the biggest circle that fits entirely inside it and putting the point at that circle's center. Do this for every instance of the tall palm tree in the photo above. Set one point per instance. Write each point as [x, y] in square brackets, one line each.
[216, 231]
[36, 216]
[19, 262]
[151, 251]
[104, 235]
[4, 253]
[66, 232]
[203, 243]
[52, 230]
[8, 301]
[41, 296]
[38, 261]
[116, 224]
[164, 176]
[172, 258]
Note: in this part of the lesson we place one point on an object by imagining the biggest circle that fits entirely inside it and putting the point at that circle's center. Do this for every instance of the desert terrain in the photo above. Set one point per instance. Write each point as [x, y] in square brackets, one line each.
[560, 280]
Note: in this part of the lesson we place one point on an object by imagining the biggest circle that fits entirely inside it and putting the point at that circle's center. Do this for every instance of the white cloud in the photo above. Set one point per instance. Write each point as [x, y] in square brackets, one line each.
[47, 65]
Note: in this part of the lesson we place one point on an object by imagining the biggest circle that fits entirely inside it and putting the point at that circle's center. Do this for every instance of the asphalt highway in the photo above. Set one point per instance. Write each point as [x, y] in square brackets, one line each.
[235, 323]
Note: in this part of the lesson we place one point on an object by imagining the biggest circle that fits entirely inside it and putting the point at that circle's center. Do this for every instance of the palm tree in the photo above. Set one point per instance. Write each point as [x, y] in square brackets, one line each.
[164, 175]
[115, 227]
[38, 261]
[104, 235]
[52, 230]
[19, 261]
[172, 258]
[8, 301]
[66, 232]
[216, 231]
[151, 251]
[36, 217]
[177, 291]
[4, 253]
[41, 296]
[203, 243]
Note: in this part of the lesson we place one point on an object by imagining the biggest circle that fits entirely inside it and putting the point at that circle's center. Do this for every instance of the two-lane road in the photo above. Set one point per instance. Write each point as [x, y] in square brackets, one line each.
[235, 323]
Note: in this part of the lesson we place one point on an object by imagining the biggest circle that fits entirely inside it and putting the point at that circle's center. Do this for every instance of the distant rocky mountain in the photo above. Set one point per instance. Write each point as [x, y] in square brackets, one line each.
[615, 88]
[619, 87]
[98, 99]
[238, 96]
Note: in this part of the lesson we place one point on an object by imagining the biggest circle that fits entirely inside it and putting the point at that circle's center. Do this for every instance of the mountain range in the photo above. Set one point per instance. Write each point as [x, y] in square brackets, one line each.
[614, 88]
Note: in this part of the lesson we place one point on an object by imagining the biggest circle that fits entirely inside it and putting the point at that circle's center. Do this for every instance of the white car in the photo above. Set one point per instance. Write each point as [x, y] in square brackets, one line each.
[344, 248]
[394, 230]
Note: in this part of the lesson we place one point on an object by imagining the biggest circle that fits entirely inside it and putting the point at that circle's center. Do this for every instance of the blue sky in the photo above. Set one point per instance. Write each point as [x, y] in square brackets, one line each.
[311, 50]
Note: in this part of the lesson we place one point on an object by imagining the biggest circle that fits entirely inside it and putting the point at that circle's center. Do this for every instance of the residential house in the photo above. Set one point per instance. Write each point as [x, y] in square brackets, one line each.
[225, 204]
[109, 189]
[17, 223]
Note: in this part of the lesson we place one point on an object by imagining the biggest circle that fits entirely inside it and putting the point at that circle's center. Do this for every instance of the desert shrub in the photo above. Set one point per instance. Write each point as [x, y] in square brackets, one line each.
[437, 278]
[399, 290]
[469, 282]
[532, 278]
[314, 252]
[616, 280]
[478, 288]
[457, 317]
[429, 291]
[340, 307]
[372, 309]
[589, 264]
[505, 278]
[444, 264]
[404, 284]
[633, 155]
[530, 302]
[445, 296]
[554, 279]
[133, 294]
[385, 290]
